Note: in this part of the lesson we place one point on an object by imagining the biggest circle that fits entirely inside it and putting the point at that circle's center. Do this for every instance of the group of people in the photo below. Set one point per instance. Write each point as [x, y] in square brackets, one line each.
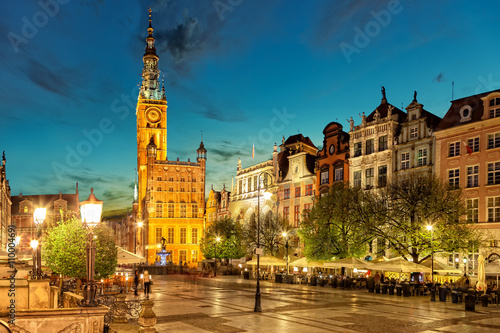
[147, 283]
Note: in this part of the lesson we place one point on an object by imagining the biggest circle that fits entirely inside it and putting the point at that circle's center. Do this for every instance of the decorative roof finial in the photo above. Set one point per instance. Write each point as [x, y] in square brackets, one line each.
[384, 98]
[150, 28]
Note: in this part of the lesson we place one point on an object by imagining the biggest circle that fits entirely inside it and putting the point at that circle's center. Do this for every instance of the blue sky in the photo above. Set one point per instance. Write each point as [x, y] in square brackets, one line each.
[241, 71]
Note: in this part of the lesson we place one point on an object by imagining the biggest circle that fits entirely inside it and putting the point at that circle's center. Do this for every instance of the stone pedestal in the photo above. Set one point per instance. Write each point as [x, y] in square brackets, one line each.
[39, 294]
[147, 318]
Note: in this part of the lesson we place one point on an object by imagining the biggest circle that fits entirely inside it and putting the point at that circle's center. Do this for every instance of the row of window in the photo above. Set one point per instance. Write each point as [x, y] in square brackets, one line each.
[296, 213]
[493, 173]
[370, 146]
[170, 237]
[308, 192]
[370, 177]
[338, 175]
[473, 145]
[171, 210]
[246, 184]
[492, 205]
[171, 189]
[171, 179]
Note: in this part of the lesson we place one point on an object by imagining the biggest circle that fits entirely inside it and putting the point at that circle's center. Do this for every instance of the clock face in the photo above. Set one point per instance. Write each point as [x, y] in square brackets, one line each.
[331, 149]
[153, 115]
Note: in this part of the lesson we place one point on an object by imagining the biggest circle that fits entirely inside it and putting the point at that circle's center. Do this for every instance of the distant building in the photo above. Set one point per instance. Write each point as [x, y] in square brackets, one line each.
[415, 150]
[372, 146]
[332, 163]
[468, 156]
[59, 207]
[296, 178]
[5, 206]
[212, 206]
[171, 194]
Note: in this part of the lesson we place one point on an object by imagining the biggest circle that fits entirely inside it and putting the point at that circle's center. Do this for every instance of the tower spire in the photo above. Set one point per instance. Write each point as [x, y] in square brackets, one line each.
[150, 88]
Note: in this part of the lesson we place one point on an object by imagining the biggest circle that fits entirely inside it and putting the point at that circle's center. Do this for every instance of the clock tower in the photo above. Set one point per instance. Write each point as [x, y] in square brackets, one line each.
[151, 113]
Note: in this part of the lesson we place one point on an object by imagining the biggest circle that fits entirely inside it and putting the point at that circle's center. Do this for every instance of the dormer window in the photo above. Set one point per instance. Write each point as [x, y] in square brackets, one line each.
[495, 101]
[465, 113]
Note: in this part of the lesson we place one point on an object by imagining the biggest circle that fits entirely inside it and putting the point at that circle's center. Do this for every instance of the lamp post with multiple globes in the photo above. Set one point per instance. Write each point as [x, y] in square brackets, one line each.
[91, 210]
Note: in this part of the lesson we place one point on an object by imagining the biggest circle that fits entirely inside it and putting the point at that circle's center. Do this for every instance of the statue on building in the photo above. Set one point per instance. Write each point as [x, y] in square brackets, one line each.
[283, 140]
[389, 111]
[383, 93]
[415, 96]
[376, 116]
[363, 119]
[351, 124]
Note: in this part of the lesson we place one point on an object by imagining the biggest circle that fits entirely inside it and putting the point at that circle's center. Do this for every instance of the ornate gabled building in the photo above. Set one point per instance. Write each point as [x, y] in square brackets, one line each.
[244, 194]
[372, 146]
[59, 208]
[171, 194]
[332, 162]
[415, 148]
[468, 156]
[296, 178]
[5, 205]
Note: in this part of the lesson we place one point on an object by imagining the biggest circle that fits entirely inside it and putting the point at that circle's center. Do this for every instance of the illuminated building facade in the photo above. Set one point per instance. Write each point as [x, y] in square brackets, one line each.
[171, 194]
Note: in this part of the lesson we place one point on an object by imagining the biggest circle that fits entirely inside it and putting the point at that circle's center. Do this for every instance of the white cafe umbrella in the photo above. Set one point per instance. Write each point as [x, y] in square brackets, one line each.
[126, 257]
[481, 274]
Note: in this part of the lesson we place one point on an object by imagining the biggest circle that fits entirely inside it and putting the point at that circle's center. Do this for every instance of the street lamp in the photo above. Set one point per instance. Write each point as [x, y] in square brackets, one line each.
[286, 247]
[217, 240]
[91, 215]
[431, 229]
[38, 218]
[258, 250]
[34, 246]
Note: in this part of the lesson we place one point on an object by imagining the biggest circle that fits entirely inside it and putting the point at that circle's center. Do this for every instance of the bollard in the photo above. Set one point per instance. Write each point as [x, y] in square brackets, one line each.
[121, 310]
[470, 300]
[484, 300]
[147, 318]
[454, 296]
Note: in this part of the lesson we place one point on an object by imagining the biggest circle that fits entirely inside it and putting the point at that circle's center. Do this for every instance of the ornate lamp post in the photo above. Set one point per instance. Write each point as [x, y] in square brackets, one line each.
[433, 291]
[285, 235]
[38, 218]
[258, 250]
[217, 240]
[91, 215]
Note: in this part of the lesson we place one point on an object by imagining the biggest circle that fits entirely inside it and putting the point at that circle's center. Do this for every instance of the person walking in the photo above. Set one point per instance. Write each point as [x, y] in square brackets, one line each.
[147, 283]
[136, 282]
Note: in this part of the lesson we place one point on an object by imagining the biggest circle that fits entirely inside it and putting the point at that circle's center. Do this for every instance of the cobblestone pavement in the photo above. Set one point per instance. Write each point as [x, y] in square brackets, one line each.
[225, 304]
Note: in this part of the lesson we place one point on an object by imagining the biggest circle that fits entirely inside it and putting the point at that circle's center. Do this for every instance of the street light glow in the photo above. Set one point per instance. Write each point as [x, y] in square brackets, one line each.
[39, 215]
[429, 227]
[34, 244]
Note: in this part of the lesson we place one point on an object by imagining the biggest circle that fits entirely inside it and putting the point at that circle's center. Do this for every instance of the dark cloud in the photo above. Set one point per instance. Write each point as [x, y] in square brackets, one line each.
[439, 78]
[54, 79]
[224, 153]
[338, 18]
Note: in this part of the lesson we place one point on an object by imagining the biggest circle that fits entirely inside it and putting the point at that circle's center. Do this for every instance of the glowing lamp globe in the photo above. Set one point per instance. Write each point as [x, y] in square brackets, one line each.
[91, 210]
[34, 244]
[39, 215]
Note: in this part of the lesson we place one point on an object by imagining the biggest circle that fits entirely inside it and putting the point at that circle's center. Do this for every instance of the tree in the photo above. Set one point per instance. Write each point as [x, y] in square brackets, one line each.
[333, 227]
[64, 249]
[271, 230]
[400, 213]
[230, 244]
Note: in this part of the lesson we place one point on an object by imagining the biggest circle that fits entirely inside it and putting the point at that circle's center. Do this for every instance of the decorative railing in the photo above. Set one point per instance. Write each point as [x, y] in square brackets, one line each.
[120, 310]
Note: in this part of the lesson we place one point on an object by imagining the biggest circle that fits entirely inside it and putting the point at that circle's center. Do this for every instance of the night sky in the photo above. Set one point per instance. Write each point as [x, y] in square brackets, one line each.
[241, 71]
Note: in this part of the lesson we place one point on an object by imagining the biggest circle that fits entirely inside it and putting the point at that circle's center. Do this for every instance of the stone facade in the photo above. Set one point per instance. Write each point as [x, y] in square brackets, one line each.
[59, 207]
